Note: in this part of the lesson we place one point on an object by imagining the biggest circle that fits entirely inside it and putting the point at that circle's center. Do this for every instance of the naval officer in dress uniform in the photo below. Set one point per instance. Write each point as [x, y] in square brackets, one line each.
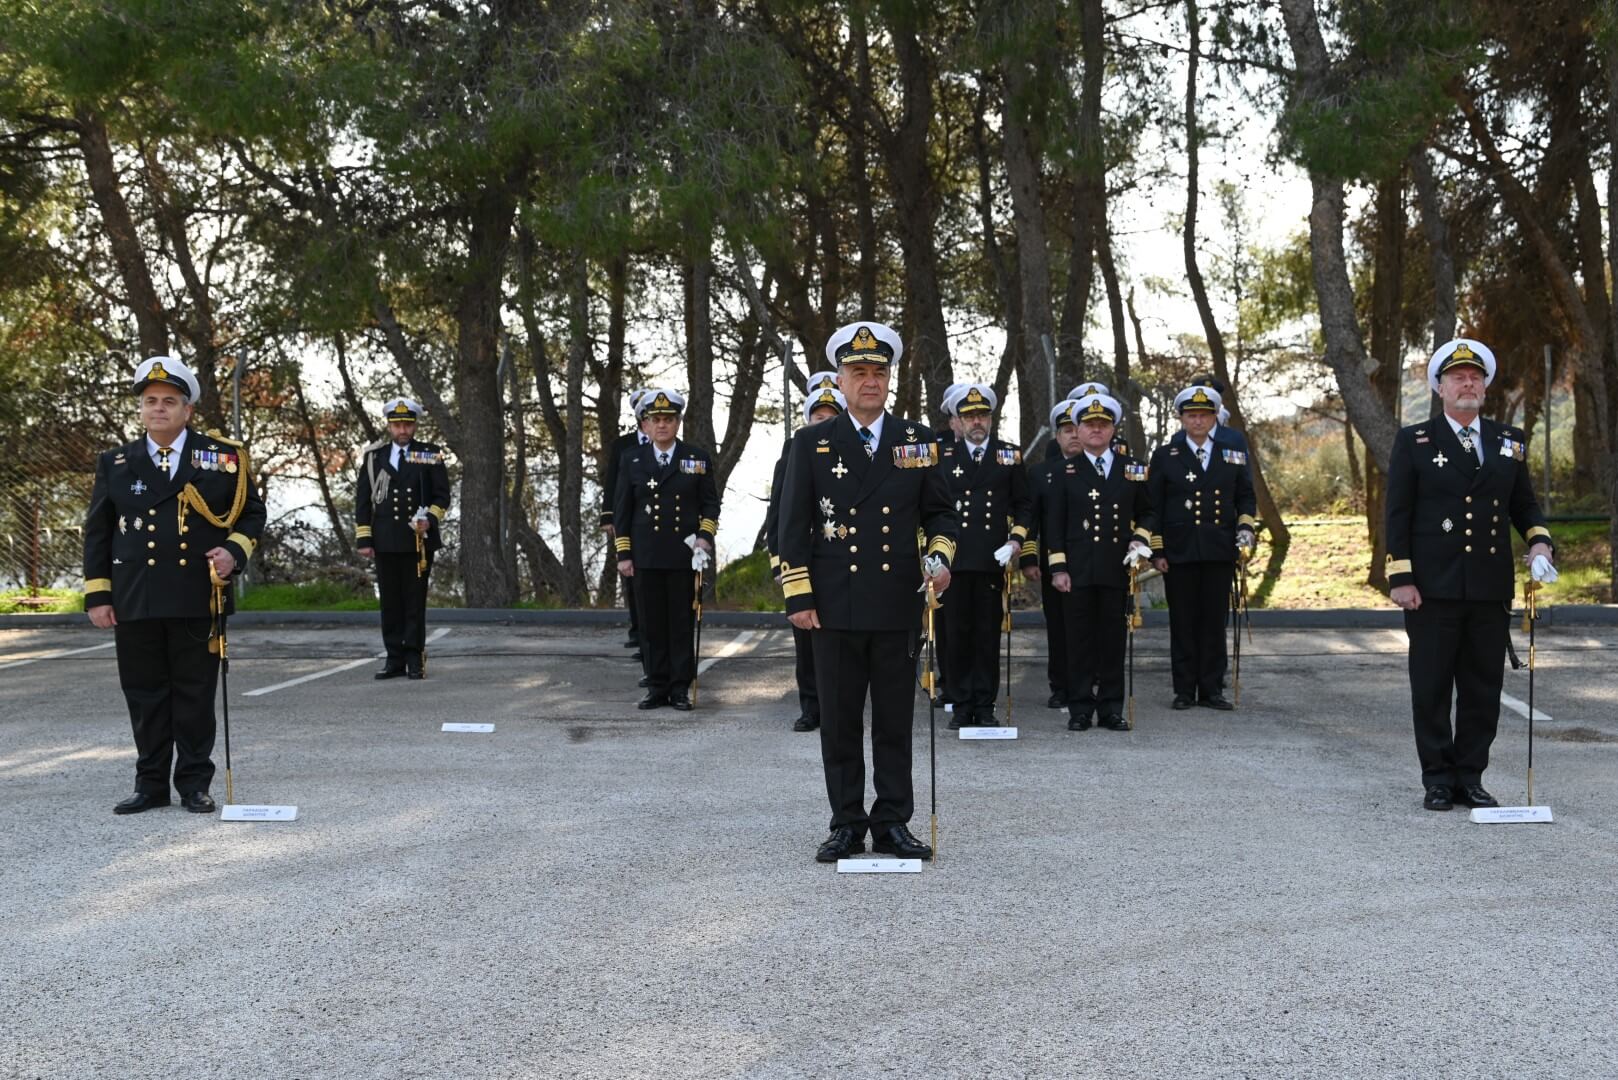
[989, 487]
[400, 498]
[1098, 513]
[1042, 475]
[1457, 486]
[824, 402]
[1202, 507]
[622, 445]
[859, 490]
[666, 513]
[165, 510]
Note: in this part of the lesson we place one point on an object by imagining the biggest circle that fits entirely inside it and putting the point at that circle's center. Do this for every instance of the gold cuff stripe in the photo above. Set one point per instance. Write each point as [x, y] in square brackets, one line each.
[796, 588]
[1399, 566]
[1157, 541]
[709, 525]
[97, 584]
[1030, 547]
[1144, 534]
[1248, 520]
[775, 561]
[1537, 531]
[1057, 558]
[247, 546]
[621, 543]
[437, 512]
[363, 532]
[944, 546]
[1019, 533]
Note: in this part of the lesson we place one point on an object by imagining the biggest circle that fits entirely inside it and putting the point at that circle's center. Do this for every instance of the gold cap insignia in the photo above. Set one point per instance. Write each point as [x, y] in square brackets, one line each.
[864, 340]
[401, 409]
[157, 372]
[1097, 411]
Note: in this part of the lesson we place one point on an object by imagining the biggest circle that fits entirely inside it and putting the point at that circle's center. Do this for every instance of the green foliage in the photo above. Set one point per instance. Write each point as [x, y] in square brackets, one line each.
[320, 595]
[58, 601]
[748, 585]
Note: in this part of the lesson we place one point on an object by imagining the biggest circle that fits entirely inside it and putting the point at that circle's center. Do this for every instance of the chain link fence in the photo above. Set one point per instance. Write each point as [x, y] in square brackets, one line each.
[47, 468]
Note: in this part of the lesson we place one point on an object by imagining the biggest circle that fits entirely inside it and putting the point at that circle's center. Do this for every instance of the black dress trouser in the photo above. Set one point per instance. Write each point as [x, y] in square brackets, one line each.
[848, 665]
[1459, 647]
[667, 621]
[168, 678]
[1051, 603]
[1199, 603]
[803, 650]
[1096, 634]
[403, 595]
[972, 611]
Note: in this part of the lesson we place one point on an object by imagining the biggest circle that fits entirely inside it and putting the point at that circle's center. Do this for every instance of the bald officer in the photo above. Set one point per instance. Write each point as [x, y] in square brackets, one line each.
[1457, 485]
[400, 498]
[166, 510]
[859, 490]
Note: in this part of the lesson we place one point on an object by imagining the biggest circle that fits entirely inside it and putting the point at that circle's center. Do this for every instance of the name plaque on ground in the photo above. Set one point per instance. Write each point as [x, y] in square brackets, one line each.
[1510, 815]
[477, 728]
[879, 866]
[259, 813]
[988, 733]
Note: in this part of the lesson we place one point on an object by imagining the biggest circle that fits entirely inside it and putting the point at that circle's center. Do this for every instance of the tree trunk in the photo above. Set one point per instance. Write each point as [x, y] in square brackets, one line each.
[1280, 535]
[570, 454]
[608, 419]
[1345, 347]
[362, 415]
[1088, 186]
[1387, 347]
[127, 253]
[1119, 380]
[864, 211]
[1611, 57]
[697, 424]
[1442, 260]
[198, 329]
[477, 391]
[1022, 156]
[916, 209]
[339, 527]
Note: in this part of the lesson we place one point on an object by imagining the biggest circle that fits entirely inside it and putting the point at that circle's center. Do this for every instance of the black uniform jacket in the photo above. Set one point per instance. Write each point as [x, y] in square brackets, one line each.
[624, 443]
[1449, 527]
[991, 500]
[1041, 482]
[851, 527]
[146, 538]
[1090, 521]
[655, 509]
[422, 481]
[772, 513]
[1194, 514]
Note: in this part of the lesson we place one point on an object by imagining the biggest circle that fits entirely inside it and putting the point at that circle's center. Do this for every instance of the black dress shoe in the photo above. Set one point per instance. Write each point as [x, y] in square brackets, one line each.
[1079, 723]
[141, 800]
[1438, 798]
[632, 643]
[1474, 795]
[654, 700]
[680, 700]
[198, 802]
[392, 671]
[415, 673]
[959, 719]
[898, 841]
[1114, 722]
[985, 718]
[1216, 701]
[1182, 701]
[1056, 701]
[844, 841]
[806, 723]
[644, 681]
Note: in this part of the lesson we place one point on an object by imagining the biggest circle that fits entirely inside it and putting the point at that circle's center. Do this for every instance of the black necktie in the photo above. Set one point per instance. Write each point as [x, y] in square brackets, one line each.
[868, 437]
[1101, 469]
[1202, 457]
[662, 459]
[977, 455]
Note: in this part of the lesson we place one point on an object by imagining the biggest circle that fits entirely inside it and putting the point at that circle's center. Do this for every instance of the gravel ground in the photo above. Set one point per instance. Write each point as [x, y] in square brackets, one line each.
[592, 891]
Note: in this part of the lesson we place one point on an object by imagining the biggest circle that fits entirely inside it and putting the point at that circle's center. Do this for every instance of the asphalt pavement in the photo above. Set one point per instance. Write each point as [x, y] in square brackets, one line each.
[594, 891]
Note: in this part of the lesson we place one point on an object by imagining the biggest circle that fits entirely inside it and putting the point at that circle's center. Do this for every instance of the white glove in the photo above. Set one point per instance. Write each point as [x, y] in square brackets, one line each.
[933, 565]
[699, 555]
[1246, 539]
[1137, 553]
[1005, 552]
[421, 515]
[1542, 570]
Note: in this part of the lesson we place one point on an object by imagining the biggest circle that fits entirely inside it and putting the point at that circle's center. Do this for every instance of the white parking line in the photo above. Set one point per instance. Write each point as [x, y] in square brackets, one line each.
[339, 669]
[1521, 707]
[730, 648]
[53, 654]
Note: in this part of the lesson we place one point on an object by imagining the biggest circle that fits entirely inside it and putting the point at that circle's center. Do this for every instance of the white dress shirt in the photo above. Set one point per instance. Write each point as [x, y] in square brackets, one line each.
[1207, 459]
[1105, 459]
[1477, 433]
[875, 428]
[174, 458]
